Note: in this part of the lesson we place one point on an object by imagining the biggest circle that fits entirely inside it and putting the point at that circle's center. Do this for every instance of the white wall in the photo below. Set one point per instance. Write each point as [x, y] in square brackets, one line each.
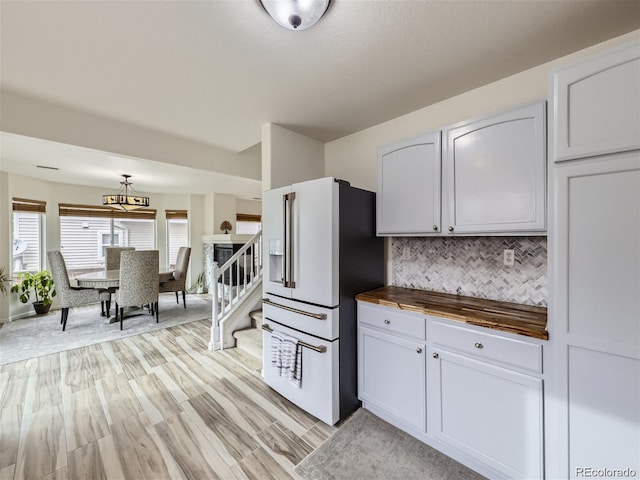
[6, 240]
[224, 208]
[54, 193]
[196, 209]
[32, 117]
[353, 158]
[288, 157]
[250, 207]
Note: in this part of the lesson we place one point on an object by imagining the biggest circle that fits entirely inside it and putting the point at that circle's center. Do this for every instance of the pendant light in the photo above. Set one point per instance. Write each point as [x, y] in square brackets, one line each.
[125, 200]
[296, 14]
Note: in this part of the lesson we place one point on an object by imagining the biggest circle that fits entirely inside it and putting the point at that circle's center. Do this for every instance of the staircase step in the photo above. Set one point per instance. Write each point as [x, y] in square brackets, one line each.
[256, 318]
[249, 340]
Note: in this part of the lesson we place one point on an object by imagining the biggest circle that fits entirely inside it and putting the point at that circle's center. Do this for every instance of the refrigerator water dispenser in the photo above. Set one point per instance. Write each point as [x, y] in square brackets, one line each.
[276, 261]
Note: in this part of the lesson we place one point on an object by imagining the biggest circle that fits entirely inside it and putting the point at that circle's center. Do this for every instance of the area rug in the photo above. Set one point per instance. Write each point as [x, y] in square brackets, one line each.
[368, 448]
[42, 335]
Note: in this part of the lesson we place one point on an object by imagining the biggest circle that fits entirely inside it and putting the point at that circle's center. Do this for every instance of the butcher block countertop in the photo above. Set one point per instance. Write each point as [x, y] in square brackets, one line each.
[509, 317]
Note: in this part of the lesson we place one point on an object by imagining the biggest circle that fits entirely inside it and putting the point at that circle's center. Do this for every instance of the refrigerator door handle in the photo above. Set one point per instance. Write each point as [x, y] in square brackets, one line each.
[317, 316]
[285, 199]
[289, 246]
[315, 348]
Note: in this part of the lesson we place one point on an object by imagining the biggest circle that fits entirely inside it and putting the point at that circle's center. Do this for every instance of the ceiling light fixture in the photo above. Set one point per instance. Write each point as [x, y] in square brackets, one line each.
[123, 200]
[296, 14]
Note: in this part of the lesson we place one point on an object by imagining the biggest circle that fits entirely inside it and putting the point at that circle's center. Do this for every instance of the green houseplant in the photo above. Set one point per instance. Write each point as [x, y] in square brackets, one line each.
[41, 284]
[200, 281]
[4, 281]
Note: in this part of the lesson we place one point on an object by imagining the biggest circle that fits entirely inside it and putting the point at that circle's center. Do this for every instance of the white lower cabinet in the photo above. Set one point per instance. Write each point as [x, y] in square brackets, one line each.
[473, 393]
[391, 363]
[393, 375]
[490, 413]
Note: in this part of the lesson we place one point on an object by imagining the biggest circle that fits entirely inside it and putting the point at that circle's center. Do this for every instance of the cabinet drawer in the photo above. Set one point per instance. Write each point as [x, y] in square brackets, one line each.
[392, 320]
[509, 351]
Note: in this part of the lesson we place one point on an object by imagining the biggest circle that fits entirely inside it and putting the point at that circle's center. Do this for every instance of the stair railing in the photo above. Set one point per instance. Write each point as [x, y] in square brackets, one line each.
[232, 282]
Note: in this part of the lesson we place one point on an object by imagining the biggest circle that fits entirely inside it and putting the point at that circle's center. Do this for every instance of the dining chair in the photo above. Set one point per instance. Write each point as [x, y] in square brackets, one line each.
[72, 296]
[139, 281]
[178, 279]
[112, 257]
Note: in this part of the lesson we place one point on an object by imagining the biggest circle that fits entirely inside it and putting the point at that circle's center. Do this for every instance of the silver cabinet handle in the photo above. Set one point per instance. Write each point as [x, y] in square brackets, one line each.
[478, 345]
[435, 355]
[435, 228]
[451, 229]
[387, 321]
[317, 316]
[418, 350]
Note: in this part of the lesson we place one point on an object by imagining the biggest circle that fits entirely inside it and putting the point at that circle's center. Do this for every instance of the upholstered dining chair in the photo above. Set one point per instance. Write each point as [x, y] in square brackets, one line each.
[112, 257]
[139, 281]
[177, 281]
[72, 296]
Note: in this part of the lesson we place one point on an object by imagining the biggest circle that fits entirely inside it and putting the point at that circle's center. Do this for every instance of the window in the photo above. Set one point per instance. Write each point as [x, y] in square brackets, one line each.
[86, 232]
[248, 224]
[28, 220]
[105, 239]
[177, 234]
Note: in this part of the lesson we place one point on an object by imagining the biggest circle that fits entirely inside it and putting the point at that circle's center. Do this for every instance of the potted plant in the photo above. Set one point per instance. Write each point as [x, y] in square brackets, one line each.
[42, 286]
[4, 281]
[200, 281]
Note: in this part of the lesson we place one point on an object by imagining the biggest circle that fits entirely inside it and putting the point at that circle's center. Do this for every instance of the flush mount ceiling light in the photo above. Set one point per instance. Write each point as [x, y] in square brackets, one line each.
[296, 14]
[125, 200]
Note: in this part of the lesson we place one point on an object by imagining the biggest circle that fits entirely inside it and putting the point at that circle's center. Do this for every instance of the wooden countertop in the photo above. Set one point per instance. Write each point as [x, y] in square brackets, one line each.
[508, 317]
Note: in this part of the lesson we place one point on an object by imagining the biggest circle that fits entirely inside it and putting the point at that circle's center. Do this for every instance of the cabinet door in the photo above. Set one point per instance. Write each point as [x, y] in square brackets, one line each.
[408, 199]
[490, 413]
[596, 311]
[391, 375]
[597, 105]
[495, 173]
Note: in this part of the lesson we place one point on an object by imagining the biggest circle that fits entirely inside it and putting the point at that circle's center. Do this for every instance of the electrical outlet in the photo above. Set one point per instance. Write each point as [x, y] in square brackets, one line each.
[406, 253]
[508, 258]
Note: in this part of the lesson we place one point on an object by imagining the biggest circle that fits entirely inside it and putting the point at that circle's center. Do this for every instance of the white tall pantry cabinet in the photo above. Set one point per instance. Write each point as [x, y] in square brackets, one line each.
[592, 401]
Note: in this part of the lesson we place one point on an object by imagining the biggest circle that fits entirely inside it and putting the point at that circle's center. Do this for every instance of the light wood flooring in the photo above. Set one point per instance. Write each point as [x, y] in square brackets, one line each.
[152, 406]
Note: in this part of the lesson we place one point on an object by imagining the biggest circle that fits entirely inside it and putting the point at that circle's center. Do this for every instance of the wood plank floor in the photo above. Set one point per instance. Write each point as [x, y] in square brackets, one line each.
[153, 406]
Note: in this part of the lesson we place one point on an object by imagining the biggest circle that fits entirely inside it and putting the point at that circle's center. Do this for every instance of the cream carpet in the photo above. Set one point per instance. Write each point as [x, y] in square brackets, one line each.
[368, 448]
[42, 335]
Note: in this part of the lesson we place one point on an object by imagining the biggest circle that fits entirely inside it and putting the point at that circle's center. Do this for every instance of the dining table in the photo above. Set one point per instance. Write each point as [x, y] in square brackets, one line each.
[109, 279]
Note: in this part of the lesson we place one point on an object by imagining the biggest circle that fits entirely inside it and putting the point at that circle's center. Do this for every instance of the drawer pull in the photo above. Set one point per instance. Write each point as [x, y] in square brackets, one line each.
[315, 348]
[387, 321]
[478, 345]
[418, 350]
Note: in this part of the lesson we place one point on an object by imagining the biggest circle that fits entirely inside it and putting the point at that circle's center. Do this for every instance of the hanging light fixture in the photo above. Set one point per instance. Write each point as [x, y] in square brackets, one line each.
[125, 200]
[296, 14]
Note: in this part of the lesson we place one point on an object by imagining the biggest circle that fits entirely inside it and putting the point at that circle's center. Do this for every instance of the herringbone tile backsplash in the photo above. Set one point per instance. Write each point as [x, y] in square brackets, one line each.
[473, 265]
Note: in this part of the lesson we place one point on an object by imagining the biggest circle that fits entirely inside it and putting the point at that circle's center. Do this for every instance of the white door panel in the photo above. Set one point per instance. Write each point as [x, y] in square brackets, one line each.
[315, 244]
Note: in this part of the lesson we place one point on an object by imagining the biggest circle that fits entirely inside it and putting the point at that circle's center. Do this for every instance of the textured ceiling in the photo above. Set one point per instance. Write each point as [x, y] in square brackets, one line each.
[216, 71]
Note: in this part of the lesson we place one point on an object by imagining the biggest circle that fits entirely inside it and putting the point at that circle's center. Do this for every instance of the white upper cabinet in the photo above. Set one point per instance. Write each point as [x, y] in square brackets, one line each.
[493, 178]
[408, 199]
[495, 173]
[596, 105]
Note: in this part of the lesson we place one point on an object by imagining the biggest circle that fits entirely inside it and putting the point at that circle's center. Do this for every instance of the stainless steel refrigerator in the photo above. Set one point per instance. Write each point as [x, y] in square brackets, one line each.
[320, 250]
